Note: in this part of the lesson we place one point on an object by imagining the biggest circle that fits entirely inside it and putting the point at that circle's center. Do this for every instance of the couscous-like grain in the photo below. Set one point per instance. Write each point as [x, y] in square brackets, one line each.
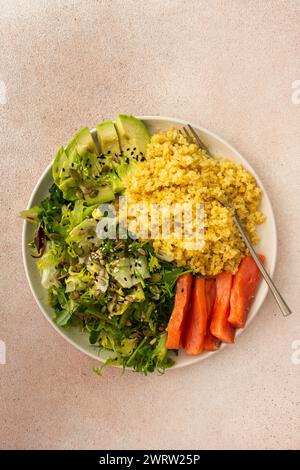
[176, 171]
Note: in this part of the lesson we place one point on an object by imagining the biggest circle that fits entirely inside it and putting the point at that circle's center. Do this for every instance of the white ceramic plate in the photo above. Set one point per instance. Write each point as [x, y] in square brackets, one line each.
[267, 231]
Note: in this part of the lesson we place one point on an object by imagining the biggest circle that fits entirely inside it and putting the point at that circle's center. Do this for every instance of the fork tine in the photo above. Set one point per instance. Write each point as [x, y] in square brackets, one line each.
[187, 135]
[198, 140]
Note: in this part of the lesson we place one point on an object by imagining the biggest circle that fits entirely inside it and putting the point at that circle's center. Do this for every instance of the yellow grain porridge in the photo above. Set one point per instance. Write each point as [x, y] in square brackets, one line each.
[178, 172]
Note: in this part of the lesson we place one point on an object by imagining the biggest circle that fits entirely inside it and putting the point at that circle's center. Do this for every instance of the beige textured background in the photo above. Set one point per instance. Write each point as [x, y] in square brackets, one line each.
[228, 65]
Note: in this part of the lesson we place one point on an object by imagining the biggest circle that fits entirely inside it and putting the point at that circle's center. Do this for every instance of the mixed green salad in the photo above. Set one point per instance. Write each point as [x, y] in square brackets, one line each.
[115, 289]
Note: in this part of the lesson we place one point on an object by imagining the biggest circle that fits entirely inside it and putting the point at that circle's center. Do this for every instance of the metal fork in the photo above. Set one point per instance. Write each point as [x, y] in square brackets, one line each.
[192, 136]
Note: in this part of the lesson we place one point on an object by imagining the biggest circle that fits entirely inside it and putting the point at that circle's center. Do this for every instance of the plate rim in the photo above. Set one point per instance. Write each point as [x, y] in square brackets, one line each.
[192, 359]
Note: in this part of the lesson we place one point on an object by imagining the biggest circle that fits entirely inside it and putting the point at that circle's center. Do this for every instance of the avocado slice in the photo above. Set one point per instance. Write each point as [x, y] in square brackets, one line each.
[108, 138]
[139, 267]
[82, 152]
[130, 271]
[64, 162]
[117, 143]
[133, 136]
[100, 195]
[83, 142]
[79, 170]
[121, 272]
[110, 149]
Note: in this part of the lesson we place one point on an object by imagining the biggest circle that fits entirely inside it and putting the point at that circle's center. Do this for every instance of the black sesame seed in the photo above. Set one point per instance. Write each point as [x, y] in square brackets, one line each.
[108, 152]
[141, 153]
[105, 229]
[132, 153]
[128, 149]
[127, 160]
[182, 291]
[72, 164]
[125, 278]
[143, 159]
[134, 148]
[63, 169]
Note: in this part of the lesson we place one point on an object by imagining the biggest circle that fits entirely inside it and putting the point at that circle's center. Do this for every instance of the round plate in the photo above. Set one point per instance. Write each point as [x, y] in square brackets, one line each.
[267, 231]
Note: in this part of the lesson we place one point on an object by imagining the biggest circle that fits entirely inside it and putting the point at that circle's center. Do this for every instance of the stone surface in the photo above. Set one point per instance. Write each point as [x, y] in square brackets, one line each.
[227, 65]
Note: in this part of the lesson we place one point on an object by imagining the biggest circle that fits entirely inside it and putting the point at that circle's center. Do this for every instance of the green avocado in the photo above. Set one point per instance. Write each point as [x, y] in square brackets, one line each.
[100, 195]
[83, 142]
[77, 167]
[108, 138]
[133, 136]
[110, 149]
[130, 271]
[123, 145]
[66, 159]
[139, 267]
[121, 272]
[80, 172]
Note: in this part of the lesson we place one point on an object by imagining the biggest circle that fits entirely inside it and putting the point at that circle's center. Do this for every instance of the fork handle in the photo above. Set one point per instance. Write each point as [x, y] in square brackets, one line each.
[276, 294]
